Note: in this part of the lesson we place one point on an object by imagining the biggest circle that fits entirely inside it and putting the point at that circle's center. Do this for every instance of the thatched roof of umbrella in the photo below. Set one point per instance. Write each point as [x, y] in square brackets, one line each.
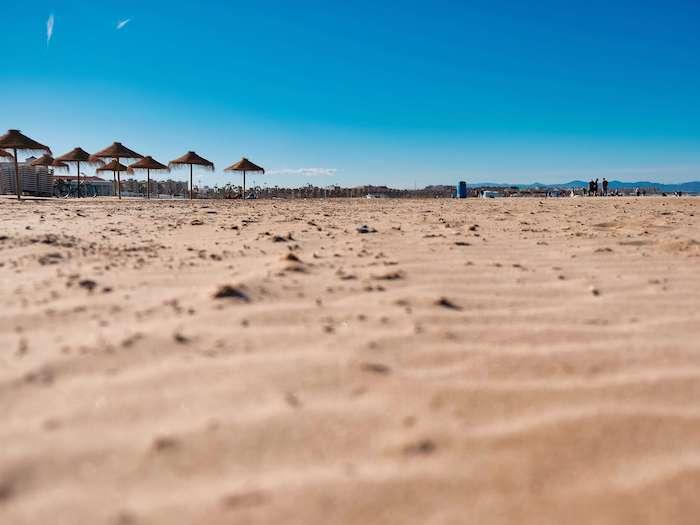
[45, 160]
[113, 166]
[77, 155]
[48, 161]
[245, 165]
[116, 151]
[148, 163]
[191, 159]
[13, 139]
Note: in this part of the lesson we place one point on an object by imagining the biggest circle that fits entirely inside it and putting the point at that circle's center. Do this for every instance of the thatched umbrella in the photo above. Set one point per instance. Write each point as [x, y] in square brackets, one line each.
[148, 163]
[15, 141]
[116, 151]
[115, 167]
[245, 166]
[60, 165]
[78, 155]
[191, 159]
[47, 161]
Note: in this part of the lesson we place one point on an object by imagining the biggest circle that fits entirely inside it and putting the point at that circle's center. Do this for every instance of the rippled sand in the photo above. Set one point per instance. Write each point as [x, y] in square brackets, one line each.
[487, 362]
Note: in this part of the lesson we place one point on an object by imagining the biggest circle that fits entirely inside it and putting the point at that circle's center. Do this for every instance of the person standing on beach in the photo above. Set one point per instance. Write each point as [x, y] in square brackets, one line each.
[605, 187]
[590, 187]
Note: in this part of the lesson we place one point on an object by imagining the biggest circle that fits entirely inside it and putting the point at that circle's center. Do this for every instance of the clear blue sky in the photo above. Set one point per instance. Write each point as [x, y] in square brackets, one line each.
[383, 92]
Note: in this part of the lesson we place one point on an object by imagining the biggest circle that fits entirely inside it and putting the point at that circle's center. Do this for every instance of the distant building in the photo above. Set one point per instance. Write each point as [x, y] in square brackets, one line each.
[34, 180]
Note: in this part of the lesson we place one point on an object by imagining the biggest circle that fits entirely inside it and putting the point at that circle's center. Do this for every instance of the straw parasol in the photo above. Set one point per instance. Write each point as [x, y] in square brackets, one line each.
[245, 166]
[148, 163]
[60, 165]
[15, 141]
[116, 151]
[78, 155]
[114, 166]
[47, 161]
[191, 159]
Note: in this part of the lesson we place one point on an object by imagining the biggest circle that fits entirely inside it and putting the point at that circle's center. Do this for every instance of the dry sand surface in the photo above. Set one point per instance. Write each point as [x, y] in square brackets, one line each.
[505, 361]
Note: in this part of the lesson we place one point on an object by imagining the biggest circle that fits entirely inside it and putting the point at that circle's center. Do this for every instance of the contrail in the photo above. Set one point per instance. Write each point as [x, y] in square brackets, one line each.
[49, 29]
[122, 23]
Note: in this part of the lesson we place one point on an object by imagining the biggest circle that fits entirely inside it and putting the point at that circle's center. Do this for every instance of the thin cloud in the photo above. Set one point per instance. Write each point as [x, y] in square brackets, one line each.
[306, 172]
[122, 23]
[49, 29]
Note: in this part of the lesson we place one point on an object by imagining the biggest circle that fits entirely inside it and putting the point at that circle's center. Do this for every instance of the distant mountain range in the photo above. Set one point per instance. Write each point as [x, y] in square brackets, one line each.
[687, 187]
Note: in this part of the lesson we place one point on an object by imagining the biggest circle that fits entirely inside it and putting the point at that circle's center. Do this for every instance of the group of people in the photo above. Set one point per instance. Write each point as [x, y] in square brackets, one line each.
[594, 190]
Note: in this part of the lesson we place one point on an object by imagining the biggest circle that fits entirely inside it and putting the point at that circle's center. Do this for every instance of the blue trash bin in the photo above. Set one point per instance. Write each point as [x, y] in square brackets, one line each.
[462, 190]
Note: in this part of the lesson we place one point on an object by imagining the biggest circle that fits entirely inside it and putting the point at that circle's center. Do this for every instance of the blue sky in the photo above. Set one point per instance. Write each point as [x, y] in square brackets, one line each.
[367, 92]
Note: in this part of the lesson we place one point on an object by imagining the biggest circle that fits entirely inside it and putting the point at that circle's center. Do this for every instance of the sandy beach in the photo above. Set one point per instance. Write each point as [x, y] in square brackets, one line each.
[478, 361]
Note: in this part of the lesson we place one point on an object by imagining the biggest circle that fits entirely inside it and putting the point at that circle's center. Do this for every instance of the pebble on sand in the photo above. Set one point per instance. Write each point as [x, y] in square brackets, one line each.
[422, 448]
[376, 368]
[446, 303]
[231, 292]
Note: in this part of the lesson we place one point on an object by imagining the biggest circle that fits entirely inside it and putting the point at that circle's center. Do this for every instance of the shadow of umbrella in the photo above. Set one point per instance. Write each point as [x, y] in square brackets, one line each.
[15, 141]
[191, 159]
[148, 163]
[78, 156]
[245, 166]
[116, 152]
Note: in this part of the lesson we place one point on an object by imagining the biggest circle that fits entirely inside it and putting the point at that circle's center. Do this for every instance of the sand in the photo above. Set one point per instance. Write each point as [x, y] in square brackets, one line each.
[481, 361]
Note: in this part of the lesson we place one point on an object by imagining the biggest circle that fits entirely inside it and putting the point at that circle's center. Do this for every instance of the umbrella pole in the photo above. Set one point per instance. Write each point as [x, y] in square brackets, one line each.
[244, 184]
[19, 188]
[119, 182]
[78, 179]
[148, 184]
[191, 192]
